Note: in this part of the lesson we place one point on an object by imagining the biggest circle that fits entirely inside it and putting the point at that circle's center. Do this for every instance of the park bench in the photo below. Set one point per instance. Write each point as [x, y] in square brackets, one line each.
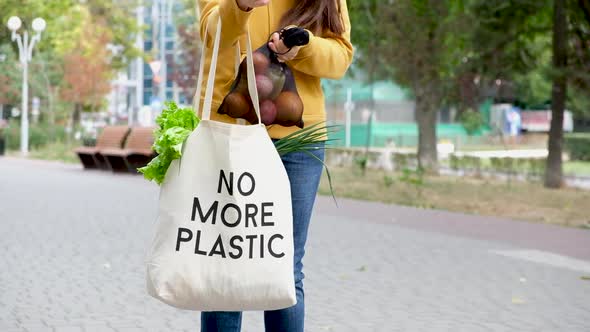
[111, 137]
[136, 153]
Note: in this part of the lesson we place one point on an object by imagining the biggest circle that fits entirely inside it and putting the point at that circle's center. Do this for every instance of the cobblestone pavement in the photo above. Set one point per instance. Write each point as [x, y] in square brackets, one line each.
[73, 245]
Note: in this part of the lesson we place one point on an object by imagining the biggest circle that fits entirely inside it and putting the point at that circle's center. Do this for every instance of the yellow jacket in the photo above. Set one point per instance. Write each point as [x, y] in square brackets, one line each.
[323, 57]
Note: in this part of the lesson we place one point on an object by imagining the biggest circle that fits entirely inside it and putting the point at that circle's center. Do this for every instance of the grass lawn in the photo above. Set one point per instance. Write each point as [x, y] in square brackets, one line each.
[579, 168]
[574, 168]
[516, 200]
[52, 151]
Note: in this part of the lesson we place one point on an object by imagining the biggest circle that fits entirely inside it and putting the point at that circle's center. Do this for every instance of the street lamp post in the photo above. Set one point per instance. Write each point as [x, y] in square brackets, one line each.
[164, 8]
[25, 53]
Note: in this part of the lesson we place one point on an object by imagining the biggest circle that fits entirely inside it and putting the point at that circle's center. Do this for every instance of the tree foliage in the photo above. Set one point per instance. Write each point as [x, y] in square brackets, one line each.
[536, 43]
[186, 61]
[10, 76]
[85, 78]
[66, 18]
[458, 53]
[419, 44]
[84, 44]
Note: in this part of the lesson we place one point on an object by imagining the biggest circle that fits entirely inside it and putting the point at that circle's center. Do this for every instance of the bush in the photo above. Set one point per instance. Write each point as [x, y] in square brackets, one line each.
[496, 164]
[505, 165]
[455, 162]
[39, 135]
[405, 160]
[472, 164]
[88, 141]
[578, 146]
[537, 166]
[387, 181]
[521, 165]
[400, 161]
[472, 121]
[361, 162]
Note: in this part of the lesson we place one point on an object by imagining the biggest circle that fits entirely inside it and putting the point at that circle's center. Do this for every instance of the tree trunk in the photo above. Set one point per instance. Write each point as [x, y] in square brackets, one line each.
[50, 106]
[426, 118]
[554, 171]
[76, 116]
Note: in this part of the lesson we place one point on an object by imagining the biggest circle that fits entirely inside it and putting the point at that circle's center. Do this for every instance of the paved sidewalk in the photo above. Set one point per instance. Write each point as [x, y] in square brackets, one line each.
[73, 244]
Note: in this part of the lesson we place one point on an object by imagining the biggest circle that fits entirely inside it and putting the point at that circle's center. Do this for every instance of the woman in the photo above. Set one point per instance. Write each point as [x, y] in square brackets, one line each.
[328, 55]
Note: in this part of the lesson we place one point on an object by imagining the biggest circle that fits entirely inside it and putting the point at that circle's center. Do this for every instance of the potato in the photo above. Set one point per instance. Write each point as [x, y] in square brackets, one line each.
[236, 105]
[289, 109]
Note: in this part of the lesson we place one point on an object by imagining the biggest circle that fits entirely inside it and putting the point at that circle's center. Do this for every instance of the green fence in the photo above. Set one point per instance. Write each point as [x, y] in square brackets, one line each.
[402, 134]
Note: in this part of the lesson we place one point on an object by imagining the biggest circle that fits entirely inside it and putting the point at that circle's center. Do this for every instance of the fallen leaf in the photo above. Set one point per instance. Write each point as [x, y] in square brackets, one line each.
[585, 277]
[362, 269]
[518, 300]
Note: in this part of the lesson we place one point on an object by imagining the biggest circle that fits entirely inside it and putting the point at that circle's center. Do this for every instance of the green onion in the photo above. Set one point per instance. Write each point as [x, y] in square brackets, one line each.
[305, 140]
[175, 125]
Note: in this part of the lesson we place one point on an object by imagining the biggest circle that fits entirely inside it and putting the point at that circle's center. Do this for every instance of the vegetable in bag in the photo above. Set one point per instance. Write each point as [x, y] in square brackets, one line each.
[279, 101]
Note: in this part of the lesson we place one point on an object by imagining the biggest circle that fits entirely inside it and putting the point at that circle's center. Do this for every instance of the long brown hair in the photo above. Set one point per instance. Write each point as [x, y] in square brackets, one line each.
[318, 16]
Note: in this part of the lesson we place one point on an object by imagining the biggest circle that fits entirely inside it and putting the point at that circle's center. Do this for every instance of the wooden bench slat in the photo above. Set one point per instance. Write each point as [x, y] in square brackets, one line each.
[110, 137]
[136, 153]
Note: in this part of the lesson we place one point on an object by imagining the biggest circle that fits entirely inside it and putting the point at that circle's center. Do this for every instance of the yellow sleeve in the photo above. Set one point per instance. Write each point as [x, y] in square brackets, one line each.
[326, 57]
[233, 20]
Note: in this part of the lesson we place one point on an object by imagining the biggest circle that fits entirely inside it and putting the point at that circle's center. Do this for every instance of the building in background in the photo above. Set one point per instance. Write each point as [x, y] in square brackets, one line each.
[138, 94]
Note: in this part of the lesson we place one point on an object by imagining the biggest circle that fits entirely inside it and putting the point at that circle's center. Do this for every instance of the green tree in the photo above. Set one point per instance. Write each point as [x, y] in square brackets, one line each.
[538, 43]
[579, 59]
[419, 44]
[118, 17]
[54, 12]
[65, 19]
[73, 28]
[87, 72]
[45, 83]
[188, 55]
[554, 170]
[10, 77]
[571, 71]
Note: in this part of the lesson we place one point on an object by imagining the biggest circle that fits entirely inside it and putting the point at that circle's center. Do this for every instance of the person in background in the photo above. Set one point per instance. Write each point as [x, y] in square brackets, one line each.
[514, 123]
[328, 55]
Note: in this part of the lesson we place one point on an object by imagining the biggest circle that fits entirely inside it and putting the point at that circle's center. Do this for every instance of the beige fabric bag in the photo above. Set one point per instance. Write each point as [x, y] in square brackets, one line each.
[224, 237]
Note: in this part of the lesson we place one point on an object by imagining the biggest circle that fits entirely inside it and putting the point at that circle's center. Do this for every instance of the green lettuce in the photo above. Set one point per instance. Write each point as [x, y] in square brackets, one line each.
[175, 125]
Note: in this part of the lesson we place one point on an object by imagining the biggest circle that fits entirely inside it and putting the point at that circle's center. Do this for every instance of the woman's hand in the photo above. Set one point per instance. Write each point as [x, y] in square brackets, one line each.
[283, 53]
[246, 5]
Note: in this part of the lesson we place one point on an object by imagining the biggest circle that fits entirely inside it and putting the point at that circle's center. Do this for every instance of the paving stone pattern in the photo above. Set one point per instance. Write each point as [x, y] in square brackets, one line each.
[73, 245]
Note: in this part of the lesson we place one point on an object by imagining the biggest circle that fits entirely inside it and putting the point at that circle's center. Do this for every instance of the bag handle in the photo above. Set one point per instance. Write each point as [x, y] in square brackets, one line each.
[236, 70]
[211, 79]
[238, 59]
[197, 99]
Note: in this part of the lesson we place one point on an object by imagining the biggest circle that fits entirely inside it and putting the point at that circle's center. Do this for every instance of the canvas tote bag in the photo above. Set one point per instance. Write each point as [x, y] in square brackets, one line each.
[224, 235]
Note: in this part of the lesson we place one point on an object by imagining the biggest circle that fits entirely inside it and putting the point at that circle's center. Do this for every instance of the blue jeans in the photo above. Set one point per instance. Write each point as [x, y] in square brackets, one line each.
[304, 175]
